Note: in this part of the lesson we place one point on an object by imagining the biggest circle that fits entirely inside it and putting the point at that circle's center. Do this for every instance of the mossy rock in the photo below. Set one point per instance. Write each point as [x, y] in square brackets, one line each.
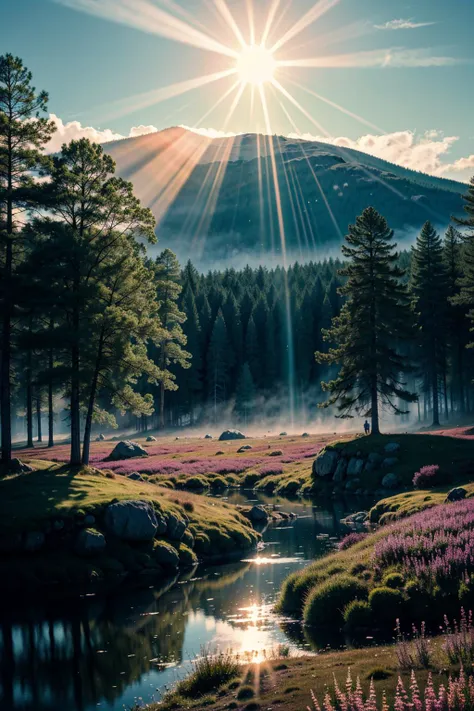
[187, 557]
[165, 554]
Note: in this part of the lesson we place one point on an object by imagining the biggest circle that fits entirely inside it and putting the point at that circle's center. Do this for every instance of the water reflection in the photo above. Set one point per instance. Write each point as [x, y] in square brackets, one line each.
[109, 652]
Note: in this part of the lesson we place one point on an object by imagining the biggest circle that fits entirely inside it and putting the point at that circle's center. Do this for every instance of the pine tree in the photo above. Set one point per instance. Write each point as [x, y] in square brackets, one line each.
[172, 340]
[429, 291]
[457, 324]
[218, 363]
[244, 394]
[374, 318]
[23, 133]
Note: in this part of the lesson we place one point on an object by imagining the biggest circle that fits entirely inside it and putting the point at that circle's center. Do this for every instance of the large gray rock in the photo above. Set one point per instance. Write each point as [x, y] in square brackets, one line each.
[231, 434]
[101, 437]
[391, 481]
[150, 438]
[175, 527]
[257, 514]
[127, 450]
[33, 541]
[340, 473]
[90, 542]
[135, 476]
[355, 467]
[244, 448]
[325, 465]
[132, 520]
[392, 447]
[389, 462]
[208, 436]
[457, 494]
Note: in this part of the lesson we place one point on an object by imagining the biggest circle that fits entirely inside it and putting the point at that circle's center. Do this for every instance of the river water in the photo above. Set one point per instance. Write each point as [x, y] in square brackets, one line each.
[113, 652]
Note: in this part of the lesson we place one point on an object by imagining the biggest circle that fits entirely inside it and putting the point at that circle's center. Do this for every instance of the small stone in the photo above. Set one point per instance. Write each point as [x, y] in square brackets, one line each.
[390, 481]
[392, 447]
[457, 494]
[219, 452]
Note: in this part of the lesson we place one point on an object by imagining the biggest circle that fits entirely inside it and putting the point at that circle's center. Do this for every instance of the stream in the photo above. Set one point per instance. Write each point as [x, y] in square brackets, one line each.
[111, 652]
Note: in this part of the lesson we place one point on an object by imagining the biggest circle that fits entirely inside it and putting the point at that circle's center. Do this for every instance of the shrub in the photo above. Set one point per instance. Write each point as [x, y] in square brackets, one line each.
[393, 580]
[250, 479]
[245, 692]
[351, 539]
[427, 477]
[218, 483]
[188, 506]
[385, 604]
[195, 482]
[326, 602]
[210, 671]
[357, 615]
[459, 640]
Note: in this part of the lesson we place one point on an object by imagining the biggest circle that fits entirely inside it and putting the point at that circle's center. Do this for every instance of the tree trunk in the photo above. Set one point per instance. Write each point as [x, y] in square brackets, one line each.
[50, 403]
[90, 407]
[445, 386]
[461, 404]
[434, 387]
[29, 402]
[38, 418]
[375, 411]
[6, 352]
[162, 406]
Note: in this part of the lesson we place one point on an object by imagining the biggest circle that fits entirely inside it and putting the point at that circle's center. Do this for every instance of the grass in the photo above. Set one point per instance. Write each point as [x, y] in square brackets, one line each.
[402, 505]
[273, 684]
[55, 493]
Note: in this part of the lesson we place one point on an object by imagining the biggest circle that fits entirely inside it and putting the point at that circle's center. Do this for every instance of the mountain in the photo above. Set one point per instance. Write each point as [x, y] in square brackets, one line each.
[215, 199]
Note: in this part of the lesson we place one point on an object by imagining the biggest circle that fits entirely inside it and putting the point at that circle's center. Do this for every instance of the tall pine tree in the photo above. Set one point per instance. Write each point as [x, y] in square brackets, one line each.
[373, 320]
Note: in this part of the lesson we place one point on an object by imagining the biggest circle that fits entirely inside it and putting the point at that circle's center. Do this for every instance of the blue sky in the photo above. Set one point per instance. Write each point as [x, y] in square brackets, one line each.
[94, 68]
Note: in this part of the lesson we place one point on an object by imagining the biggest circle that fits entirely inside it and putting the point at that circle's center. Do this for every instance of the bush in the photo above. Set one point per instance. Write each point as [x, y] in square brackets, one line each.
[427, 477]
[188, 506]
[351, 539]
[245, 692]
[394, 580]
[209, 673]
[195, 482]
[250, 479]
[326, 602]
[385, 604]
[357, 615]
[218, 483]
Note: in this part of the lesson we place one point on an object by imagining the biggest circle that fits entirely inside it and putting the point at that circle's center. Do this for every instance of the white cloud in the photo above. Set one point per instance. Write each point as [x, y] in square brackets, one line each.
[210, 132]
[73, 130]
[141, 131]
[402, 25]
[426, 153]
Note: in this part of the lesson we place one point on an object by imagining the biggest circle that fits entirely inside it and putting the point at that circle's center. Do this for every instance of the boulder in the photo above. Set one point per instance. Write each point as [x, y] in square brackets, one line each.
[175, 527]
[89, 520]
[135, 476]
[389, 462]
[355, 466]
[208, 436]
[101, 437]
[231, 434]
[16, 466]
[375, 459]
[132, 520]
[391, 481]
[33, 541]
[392, 448]
[326, 463]
[276, 453]
[257, 514]
[150, 438]
[340, 473]
[352, 485]
[219, 452]
[244, 448]
[90, 542]
[283, 434]
[127, 450]
[165, 554]
[305, 434]
[457, 494]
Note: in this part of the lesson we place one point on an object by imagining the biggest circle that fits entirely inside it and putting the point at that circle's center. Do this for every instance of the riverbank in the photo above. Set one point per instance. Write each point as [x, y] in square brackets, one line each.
[67, 531]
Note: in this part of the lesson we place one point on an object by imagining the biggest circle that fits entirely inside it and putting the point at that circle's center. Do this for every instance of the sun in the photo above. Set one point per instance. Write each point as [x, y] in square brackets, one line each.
[256, 65]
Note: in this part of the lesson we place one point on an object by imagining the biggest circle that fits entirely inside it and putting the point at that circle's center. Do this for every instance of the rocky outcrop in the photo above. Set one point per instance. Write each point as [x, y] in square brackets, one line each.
[346, 468]
[132, 520]
[127, 450]
[90, 542]
[457, 494]
[231, 434]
